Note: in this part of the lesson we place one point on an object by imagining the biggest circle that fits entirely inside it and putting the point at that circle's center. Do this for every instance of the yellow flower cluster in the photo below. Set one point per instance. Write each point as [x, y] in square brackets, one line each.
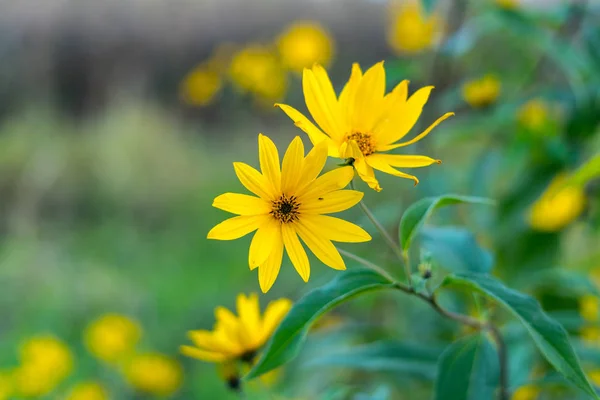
[412, 30]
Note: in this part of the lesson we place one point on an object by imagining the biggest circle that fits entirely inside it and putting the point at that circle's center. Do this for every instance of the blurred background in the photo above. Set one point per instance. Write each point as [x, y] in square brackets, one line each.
[119, 123]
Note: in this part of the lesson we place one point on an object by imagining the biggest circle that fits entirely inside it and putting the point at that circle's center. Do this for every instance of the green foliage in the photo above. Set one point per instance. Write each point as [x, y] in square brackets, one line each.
[468, 370]
[291, 333]
[549, 336]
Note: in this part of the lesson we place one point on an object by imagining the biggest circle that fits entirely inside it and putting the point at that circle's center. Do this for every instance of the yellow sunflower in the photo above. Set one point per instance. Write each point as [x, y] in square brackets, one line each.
[290, 203]
[237, 338]
[364, 122]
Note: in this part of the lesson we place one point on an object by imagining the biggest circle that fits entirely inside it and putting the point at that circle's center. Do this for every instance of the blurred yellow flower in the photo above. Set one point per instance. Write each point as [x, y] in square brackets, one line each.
[364, 122]
[44, 362]
[594, 376]
[112, 337]
[481, 92]
[507, 4]
[534, 115]
[526, 392]
[237, 338]
[154, 373]
[290, 203]
[411, 30]
[591, 334]
[87, 391]
[589, 308]
[6, 384]
[304, 43]
[200, 86]
[257, 70]
[558, 206]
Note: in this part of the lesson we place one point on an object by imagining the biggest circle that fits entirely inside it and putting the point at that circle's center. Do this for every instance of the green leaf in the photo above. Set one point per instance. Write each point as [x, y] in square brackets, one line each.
[428, 5]
[549, 336]
[456, 249]
[385, 356]
[587, 172]
[416, 215]
[468, 370]
[291, 333]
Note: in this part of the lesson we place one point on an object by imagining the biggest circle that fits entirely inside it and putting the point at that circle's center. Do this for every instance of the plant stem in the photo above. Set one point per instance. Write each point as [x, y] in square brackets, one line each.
[386, 236]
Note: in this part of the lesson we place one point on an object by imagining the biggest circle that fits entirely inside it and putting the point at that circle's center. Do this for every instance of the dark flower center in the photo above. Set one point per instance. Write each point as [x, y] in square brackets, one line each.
[285, 209]
[364, 141]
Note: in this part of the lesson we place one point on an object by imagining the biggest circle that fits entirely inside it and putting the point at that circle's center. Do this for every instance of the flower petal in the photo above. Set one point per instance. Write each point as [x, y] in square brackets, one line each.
[348, 95]
[336, 201]
[291, 169]
[241, 204]
[365, 172]
[369, 99]
[315, 135]
[248, 310]
[404, 161]
[269, 161]
[320, 246]
[382, 166]
[313, 165]
[274, 313]
[295, 251]
[392, 102]
[418, 137]
[236, 227]
[337, 179]
[336, 229]
[268, 271]
[263, 241]
[322, 106]
[254, 181]
[203, 355]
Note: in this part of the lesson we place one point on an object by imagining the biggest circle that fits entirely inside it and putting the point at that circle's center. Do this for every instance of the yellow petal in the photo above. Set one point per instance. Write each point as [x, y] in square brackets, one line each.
[337, 201]
[314, 134]
[392, 103]
[236, 227]
[202, 354]
[339, 178]
[203, 339]
[313, 165]
[369, 99]
[249, 315]
[404, 118]
[402, 161]
[228, 323]
[320, 246]
[295, 251]
[293, 161]
[417, 138]
[335, 229]
[322, 106]
[254, 181]
[274, 313]
[268, 271]
[364, 171]
[348, 95]
[328, 93]
[269, 161]
[263, 241]
[382, 166]
[241, 204]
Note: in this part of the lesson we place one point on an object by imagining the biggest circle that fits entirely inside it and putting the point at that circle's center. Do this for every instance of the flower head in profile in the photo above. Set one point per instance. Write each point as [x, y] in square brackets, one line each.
[411, 30]
[559, 205]
[303, 44]
[154, 373]
[481, 92]
[290, 201]
[87, 391]
[237, 338]
[363, 123]
[200, 86]
[112, 337]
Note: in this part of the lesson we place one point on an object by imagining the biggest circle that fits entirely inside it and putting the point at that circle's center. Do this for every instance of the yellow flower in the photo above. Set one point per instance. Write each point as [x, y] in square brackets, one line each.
[290, 203]
[200, 86]
[45, 362]
[237, 338]
[591, 334]
[589, 308]
[411, 31]
[526, 392]
[364, 122]
[303, 44]
[481, 92]
[507, 4]
[154, 373]
[87, 391]
[112, 337]
[534, 115]
[6, 385]
[558, 206]
[256, 69]
[594, 376]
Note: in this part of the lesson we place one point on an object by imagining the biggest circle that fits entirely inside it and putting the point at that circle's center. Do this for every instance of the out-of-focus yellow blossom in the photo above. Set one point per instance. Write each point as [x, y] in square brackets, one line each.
[112, 337]
[507, 4]
[594, 376]
[482, 92]
[237, 338]
[526, 392]
[534, 115]
[411, 30]
[256, 69]
[589, 308]
[558, 206]
[303, 44]
[590, 334]
[87, 391]
[154, 373]
[200, 86]
[44, 362]
[6, 385]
